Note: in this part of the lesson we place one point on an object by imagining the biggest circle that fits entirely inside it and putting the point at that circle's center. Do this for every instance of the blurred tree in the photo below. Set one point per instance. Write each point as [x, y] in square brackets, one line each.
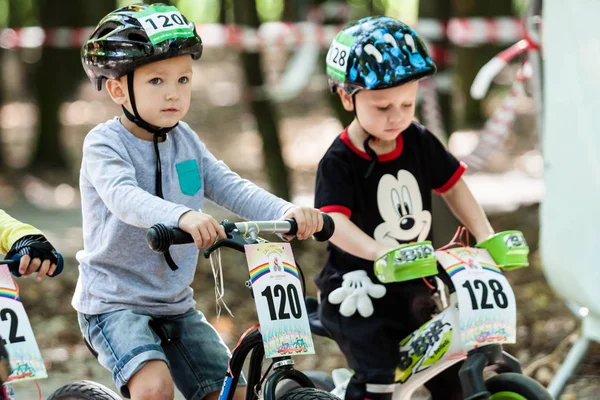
[445, 223]
[333, 18]
[57, 74]
[376, 7]
[4, 8]
[470, 59]
[223, 12]
[15, 13]
[269, 10]
[265, 113]
[294, 10]
[440, 10]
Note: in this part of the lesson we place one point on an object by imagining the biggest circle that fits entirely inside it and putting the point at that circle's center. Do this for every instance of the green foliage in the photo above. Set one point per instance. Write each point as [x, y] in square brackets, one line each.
[269, 10]
[520, 6]
[3, 13]
[24, 12]
[200, 11]
[123, 3]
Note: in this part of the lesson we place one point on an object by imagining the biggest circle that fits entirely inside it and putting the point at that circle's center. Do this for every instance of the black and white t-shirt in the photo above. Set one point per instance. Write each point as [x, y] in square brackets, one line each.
[392, 205]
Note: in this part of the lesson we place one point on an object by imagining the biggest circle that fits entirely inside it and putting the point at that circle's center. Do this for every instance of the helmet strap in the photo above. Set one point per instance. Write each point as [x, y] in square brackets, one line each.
[368, 149]
[135, 117]
[157, 133]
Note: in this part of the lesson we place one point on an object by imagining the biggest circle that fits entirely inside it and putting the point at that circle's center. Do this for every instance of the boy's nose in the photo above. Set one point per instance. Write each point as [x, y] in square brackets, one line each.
[172, 95]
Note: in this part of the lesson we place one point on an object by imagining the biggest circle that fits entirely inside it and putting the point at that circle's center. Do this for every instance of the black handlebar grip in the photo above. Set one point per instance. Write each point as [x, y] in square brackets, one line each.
[293, 227]
[160, 237]
[327, 231]
[13, 265]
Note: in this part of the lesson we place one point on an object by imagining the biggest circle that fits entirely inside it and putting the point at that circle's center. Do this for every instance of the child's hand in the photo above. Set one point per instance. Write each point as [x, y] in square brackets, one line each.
[37, 255]
[203, 228]
[379, 249]
[28, 266]
[309, 221]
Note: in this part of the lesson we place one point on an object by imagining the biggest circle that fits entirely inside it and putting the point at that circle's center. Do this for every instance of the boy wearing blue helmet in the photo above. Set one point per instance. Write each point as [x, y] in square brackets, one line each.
[376, 181]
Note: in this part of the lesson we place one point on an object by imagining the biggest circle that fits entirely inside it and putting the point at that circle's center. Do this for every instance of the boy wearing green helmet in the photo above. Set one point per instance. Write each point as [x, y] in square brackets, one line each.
[376, 181]
[140, 169]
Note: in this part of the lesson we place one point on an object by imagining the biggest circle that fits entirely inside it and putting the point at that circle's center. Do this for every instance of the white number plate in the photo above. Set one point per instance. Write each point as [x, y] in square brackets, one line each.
[162, 23]
[279, 300]
[486, 301]
[15, 329]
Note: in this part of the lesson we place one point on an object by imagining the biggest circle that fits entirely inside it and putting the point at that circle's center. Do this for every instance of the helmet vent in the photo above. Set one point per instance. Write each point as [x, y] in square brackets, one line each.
[106, 29]
[136, 37]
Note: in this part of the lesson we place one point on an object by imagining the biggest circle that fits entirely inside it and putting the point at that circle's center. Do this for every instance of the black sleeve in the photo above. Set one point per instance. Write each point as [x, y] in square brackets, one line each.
[334, 186]
[445, 170]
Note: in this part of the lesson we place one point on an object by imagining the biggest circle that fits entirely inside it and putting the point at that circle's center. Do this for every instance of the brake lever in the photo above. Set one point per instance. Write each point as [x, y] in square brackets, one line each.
[234, 240]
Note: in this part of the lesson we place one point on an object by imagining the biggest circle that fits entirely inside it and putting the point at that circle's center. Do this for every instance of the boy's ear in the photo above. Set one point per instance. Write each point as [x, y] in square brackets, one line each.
[117, 91]
[346, 99]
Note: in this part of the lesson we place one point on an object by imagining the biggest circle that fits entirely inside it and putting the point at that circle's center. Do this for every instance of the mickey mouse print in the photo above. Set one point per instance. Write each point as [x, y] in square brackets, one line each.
[401, 208]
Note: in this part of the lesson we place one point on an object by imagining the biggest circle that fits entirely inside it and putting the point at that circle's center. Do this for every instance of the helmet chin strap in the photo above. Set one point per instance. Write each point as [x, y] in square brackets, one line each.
[368, 149]
[156, 134]
[135, 117]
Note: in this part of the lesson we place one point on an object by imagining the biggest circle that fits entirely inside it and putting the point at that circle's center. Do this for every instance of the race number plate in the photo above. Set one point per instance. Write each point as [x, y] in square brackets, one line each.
[162, 23]
[338, 56]
[486, 302]
[279, 300]
[15, 329]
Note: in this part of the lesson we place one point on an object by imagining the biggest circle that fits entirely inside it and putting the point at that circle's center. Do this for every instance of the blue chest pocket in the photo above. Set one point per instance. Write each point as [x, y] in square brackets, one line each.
[188, 174]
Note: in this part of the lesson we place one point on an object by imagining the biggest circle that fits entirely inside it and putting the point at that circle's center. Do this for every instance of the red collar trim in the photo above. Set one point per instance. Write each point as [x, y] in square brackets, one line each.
[382, 157]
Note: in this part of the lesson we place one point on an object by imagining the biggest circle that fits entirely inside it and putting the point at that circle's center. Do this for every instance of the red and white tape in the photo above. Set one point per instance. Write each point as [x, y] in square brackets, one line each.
[460, 31]
[478, 31]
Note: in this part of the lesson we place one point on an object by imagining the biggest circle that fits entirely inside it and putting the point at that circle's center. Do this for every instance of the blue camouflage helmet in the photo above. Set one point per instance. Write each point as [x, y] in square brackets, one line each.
[376, 53]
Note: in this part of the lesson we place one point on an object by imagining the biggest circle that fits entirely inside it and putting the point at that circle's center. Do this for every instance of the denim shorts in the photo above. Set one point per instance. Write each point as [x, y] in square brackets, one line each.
[125, 341]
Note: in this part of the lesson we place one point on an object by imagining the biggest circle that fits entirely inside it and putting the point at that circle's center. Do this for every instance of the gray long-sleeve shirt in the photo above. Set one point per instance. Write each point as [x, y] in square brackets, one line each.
[117, 181]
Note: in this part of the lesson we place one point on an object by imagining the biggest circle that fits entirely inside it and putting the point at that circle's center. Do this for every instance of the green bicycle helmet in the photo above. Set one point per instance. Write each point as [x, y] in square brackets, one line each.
[376, 53]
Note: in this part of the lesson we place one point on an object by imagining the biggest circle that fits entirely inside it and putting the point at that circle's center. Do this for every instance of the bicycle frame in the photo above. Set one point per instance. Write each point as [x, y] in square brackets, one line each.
[283, 368]
[240, 234]
[436, 346]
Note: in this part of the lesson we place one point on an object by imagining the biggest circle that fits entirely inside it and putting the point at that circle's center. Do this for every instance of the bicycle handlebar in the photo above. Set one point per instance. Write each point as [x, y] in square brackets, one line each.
[160, 237]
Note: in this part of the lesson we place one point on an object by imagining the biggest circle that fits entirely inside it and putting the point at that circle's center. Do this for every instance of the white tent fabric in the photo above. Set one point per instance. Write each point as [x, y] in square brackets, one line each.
[570, 212]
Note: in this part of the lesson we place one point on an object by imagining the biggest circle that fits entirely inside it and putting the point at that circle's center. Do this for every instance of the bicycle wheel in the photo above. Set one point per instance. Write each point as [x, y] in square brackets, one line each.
[320, 379]
[307, 394]
[512, 386]
[83, 390]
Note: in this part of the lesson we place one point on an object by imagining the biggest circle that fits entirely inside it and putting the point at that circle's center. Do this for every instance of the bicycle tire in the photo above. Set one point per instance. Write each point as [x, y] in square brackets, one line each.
[308, 394]
[513, 386]
[83, 390]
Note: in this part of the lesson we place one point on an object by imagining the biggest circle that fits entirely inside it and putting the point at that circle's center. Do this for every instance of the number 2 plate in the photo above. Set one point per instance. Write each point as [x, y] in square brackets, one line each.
[15, 329]
[486, 301]
[279, 300]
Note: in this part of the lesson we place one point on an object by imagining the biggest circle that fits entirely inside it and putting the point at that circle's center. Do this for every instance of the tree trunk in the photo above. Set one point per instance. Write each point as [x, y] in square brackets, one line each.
[445, 223]
[340, 113]
[291, 10]
[440, 10]
[263, 109]
[470, 59]
[2, 161]
[223, 12]
[57, 74]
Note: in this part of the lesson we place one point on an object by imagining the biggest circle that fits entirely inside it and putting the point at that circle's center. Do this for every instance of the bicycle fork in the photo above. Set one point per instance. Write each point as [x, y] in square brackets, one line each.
[471, 373]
